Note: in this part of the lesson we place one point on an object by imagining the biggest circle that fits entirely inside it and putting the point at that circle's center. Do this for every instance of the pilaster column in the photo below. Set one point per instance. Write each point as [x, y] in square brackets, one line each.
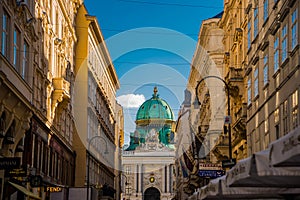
[141, 178]
[168, 178]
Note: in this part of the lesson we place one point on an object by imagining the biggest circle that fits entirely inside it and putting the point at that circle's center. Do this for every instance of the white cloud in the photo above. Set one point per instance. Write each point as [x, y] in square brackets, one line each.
[131, 100]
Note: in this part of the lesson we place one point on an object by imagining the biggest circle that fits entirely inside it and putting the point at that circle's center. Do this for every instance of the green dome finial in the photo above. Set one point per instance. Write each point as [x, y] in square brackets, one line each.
[155, 90]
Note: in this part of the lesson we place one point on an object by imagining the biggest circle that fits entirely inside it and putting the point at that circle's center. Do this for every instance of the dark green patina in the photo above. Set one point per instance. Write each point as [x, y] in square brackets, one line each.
[154, 118]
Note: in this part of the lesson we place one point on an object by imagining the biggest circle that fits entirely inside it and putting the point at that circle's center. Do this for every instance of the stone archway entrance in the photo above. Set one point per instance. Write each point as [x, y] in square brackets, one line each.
[152, 193]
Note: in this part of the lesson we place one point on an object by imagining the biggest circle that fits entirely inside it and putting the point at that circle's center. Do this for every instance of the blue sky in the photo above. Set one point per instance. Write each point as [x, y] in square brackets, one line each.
[151, 43]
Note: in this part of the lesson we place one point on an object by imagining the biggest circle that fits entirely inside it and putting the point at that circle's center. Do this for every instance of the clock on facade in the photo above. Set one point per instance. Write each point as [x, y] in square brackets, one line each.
[151, 179]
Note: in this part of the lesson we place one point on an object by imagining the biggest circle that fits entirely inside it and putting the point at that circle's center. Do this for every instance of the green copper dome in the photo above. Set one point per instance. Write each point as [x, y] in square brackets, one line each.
[155, 126]
[154, 108]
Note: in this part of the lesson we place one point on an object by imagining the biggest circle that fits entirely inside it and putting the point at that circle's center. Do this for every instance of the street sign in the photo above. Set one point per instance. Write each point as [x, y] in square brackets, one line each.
[228, 163]
[10, 163]
[211, 173]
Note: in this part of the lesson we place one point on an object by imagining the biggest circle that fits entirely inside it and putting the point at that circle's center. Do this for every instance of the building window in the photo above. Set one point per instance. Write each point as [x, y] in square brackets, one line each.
[255, 22]
[249, 34]
[294, 29]
[51, 161]
[5, 34]
[266, 9]
[266, 70]
[249, 91]
[276, 54]
[266, 126]
[295, 109]
[16, 54]
[128, 170]
[277, 131]
[285, 117]
[276, 116]
[284, 42]
[256, 82]
[266, 141]
[25, 60]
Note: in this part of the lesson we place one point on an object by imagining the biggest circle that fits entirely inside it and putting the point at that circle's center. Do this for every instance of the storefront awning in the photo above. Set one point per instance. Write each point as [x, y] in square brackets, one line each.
[25, 191]
[286, 150]
[218, 189]
[256, 171]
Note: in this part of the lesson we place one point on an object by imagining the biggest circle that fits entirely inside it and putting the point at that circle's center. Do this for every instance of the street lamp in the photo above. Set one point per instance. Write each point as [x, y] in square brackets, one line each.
[228, 108]
[88, 164]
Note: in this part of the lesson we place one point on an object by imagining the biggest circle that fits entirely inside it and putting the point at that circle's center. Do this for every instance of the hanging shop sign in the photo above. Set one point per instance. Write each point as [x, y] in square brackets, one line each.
[53, 189]
[10, 163]
[20, 172]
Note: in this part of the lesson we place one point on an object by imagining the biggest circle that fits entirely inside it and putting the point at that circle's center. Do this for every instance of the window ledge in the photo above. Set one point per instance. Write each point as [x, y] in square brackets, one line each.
[284, 62]
[292, 53]
[256, 97]
[276, 73]
[266, 86]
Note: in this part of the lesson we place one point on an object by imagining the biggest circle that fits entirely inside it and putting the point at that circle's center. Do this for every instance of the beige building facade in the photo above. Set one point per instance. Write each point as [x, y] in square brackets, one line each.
[201, 118]
[261, 68]
[37, 77]
[272, 71]
[42, 53]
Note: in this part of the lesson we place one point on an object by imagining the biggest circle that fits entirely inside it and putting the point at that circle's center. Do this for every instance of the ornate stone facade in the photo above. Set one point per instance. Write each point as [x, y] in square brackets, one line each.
[233, 22]
[148, 163]
[37, 43]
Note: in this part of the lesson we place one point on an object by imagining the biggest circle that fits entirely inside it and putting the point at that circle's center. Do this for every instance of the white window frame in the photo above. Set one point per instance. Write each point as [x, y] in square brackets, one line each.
[5, 34]
[249, 34]
[294, 28]
[25, 60]
[295, 109]
[249, 90]
[256, 82]
[276, 54]
[266, 69]
[284, 43]
[266, 9]
[255, 13]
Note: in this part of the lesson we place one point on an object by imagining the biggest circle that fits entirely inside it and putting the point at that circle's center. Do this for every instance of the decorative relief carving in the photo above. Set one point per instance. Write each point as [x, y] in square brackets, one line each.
[152, 143]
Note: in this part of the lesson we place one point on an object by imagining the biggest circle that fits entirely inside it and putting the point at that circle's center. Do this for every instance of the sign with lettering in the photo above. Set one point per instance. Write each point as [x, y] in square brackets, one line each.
[53, 189]
[10, 163]
[21, 172]
[228, 163]
[210, 166]
[211, 173]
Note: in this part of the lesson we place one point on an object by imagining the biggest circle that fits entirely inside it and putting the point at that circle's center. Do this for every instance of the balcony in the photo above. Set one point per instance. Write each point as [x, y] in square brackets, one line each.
[60, 93]
[220, 149]
[62, 86]
[235, 74]
[239, 125]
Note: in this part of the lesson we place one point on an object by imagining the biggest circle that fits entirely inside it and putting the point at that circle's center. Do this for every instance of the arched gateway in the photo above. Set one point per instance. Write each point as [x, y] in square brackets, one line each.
[152, 193]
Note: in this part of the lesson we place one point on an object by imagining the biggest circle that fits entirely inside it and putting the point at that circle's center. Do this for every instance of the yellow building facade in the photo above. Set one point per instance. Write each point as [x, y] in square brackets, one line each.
[95, 108]
[37, 77]
[234, 23]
